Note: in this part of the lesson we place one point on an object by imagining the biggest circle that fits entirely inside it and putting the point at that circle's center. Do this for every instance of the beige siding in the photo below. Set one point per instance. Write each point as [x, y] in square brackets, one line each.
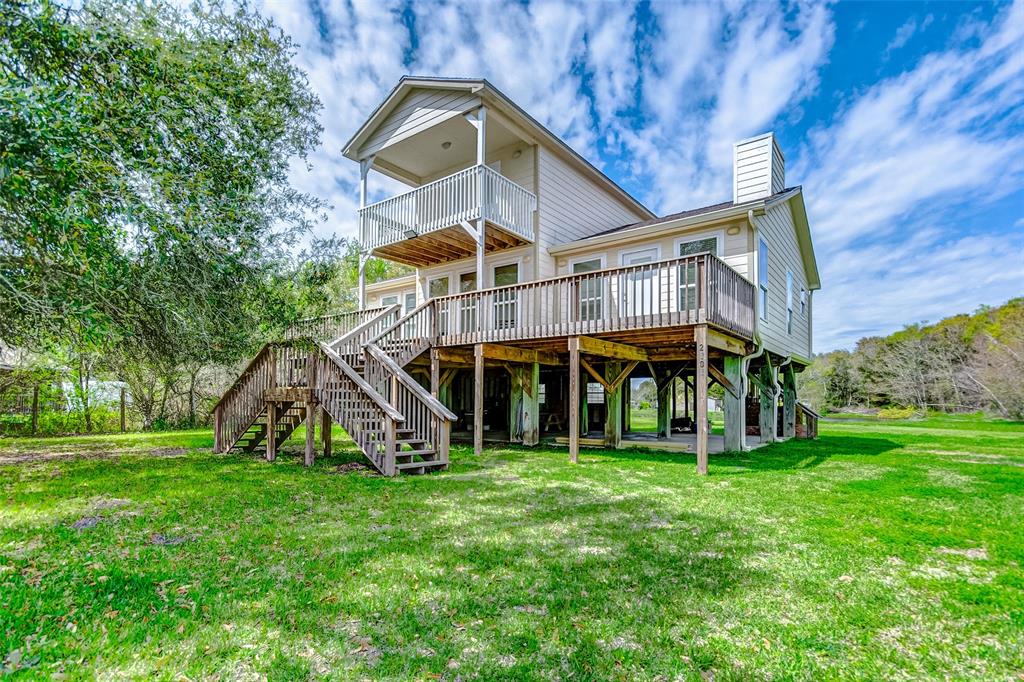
[572, 206]
[777, 229]
[376, 292]
[734, 248]
[522, 255]
[419, 110]
[778, 169]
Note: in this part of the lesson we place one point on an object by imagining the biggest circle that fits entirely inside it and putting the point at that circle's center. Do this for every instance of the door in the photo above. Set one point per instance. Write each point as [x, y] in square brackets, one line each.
[589, 290]
[641, 289]
[467, 306]
[506, 302]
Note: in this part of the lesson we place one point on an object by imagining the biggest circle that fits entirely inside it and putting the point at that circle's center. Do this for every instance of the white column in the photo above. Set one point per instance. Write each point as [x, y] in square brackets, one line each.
[364, 171]
[481, 159]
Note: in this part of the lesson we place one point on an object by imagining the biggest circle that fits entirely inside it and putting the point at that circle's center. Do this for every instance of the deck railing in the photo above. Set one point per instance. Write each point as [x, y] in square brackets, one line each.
[476, 192]
[681, 291]
[331, 327]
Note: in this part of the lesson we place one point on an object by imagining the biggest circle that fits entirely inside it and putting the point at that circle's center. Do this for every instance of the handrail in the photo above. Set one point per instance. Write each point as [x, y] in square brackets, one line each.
[435, 405]
[242, 375]
[402, 320]
[578, 276]
[304, 327]
[356, 331]
[369, 390]
[420, 188]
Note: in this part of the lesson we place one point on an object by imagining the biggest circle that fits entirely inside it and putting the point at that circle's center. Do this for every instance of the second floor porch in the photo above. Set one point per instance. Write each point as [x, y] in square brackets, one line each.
[437, 222]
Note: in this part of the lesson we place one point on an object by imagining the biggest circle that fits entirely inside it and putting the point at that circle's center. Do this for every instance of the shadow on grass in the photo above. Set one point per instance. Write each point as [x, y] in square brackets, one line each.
[379, 567]
[791, 455]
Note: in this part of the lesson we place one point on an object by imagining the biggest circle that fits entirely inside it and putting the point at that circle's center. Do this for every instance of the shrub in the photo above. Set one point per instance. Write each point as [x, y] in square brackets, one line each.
[897, 413]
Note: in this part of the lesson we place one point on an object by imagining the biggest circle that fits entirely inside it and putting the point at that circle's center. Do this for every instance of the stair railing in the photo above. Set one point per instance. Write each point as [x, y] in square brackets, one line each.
[367, 416]
[427, 417]
[350, 345]
[409, 336]
[243, 402]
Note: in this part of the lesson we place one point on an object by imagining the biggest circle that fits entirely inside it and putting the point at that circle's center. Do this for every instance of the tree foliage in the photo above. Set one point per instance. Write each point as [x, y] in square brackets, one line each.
[144, 160]
[964, 362]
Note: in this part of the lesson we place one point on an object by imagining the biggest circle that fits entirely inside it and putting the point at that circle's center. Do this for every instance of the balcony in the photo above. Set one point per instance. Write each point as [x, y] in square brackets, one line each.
[424, 226]
[653, 306]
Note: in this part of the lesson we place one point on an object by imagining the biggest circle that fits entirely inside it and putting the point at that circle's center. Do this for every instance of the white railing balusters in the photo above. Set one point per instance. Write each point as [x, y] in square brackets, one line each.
[472, 193]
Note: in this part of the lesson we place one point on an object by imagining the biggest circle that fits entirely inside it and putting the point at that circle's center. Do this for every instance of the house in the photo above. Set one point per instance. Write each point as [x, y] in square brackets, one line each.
[540, 288]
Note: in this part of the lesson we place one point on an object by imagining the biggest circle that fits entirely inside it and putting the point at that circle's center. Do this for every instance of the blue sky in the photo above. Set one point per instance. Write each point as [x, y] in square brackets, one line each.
[904, 122]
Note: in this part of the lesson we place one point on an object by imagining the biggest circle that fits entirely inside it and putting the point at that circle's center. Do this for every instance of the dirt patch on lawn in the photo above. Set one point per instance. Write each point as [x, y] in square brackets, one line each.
[81, 452]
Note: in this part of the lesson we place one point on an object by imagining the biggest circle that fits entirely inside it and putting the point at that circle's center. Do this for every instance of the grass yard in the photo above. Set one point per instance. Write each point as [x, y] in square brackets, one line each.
[883, 550]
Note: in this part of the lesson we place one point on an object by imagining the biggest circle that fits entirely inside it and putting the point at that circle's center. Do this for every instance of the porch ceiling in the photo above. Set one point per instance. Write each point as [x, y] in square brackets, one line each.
[447, 245]
[422, 155]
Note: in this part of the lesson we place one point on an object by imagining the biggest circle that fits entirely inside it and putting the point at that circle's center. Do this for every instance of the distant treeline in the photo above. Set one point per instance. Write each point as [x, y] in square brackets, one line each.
[963, 363]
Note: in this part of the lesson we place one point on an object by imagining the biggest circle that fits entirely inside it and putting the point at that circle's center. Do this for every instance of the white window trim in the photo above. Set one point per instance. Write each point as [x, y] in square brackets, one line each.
[696, 237]
[458, 278]
[603, 257]
[501, 262]
[437, 277]
[656, 248]
[383, 299]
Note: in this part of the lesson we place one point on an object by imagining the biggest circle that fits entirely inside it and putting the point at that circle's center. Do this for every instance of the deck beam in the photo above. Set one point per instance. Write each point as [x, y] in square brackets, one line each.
[735, 421]
[609, 349]
[478, 400]
[574, 399]
[494, 351]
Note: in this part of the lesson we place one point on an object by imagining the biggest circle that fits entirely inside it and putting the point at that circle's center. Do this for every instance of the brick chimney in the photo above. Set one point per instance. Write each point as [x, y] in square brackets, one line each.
[758, 168]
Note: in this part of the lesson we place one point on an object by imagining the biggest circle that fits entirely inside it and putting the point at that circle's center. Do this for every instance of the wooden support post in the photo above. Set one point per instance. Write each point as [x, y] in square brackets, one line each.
[700, 336]
[531, 405]
[664, 408]
[574, 399]
[325, 431]
[271, 431]
[613, 408]
[515, 401]
[435, 373]
[478, 401]
[627, 401]
[735, 421]
[312, 416]
[122, 410]
[788, 402]
[769, 406]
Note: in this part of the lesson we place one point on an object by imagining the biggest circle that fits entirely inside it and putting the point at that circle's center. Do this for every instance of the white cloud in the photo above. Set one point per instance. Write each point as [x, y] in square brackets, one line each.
[887, 177]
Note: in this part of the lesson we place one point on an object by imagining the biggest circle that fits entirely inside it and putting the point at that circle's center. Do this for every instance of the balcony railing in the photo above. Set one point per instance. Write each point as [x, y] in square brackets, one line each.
[476, 192]
[694, 289]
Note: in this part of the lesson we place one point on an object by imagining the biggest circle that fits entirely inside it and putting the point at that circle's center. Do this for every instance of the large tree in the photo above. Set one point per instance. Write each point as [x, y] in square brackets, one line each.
[144, 161]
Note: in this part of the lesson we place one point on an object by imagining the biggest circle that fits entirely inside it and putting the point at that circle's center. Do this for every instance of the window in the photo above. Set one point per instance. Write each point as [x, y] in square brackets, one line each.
[762, 277]
[688, 273]
[438, 287]
[506, 303]
[389, 300]
[589, 303]
[789, 302]
[642, 287]
[410, 302]
[595, 394]
[542, 394]
[467, 306]
[803, 302]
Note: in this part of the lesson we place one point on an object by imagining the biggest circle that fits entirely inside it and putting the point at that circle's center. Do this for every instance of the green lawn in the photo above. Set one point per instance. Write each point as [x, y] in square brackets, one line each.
[883, 550]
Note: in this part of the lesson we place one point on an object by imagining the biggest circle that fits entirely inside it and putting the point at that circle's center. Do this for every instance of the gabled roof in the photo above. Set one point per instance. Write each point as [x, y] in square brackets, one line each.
[493, 97]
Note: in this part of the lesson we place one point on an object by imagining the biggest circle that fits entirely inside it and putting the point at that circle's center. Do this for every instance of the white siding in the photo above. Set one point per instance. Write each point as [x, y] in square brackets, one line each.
[571, 206]
[777, 229]
[419, 110]
[758, 168]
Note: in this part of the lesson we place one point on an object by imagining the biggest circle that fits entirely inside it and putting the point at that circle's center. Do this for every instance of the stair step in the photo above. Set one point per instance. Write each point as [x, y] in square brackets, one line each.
[410, 453]
[413, 466]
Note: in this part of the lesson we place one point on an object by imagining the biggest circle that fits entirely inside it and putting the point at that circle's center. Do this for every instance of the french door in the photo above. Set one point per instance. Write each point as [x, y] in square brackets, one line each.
[641, 289]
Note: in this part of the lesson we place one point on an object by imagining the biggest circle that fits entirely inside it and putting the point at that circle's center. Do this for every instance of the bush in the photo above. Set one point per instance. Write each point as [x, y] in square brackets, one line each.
[897, 413]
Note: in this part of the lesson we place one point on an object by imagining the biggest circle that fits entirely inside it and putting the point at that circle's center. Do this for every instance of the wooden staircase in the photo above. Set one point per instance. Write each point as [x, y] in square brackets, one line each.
[290, 415]
[398, 424]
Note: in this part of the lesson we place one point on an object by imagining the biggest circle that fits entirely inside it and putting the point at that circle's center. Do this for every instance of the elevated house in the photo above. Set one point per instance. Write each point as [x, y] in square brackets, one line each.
[540, 289]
